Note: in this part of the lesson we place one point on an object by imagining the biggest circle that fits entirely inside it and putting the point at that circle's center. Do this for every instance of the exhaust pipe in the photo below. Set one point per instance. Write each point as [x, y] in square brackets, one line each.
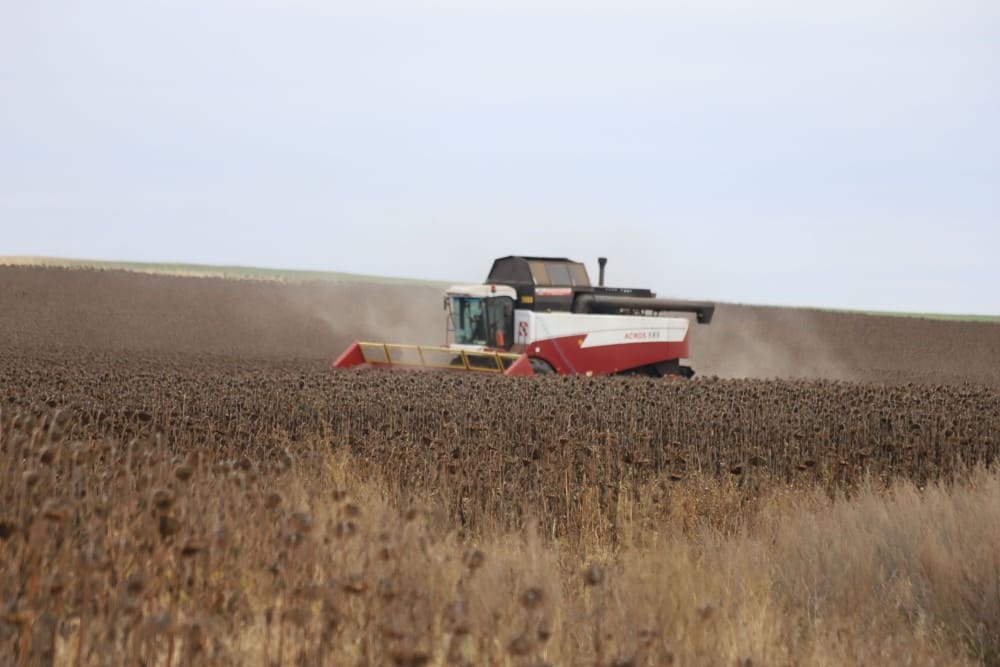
[601, 263]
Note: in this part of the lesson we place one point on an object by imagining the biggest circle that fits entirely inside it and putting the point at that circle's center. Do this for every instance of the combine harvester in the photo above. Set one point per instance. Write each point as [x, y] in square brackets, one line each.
[541, 315]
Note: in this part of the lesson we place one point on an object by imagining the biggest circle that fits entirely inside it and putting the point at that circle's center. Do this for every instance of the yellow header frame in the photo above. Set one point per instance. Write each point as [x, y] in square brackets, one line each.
[431, 356]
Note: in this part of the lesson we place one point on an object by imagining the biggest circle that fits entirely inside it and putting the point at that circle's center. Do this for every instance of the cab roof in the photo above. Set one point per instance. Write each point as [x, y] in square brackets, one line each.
[520, 270]
[482, 291]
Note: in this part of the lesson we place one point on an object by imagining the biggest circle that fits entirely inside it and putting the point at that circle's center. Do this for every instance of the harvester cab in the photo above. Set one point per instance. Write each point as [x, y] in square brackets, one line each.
[481, 316]
[542, 315]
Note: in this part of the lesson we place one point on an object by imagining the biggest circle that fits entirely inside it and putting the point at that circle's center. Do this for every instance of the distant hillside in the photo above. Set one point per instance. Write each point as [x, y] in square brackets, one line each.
[299, 276]
[211, 271]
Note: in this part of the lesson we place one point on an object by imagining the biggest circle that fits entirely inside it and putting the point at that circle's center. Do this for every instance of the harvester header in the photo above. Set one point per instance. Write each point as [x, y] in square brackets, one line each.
[542, 315]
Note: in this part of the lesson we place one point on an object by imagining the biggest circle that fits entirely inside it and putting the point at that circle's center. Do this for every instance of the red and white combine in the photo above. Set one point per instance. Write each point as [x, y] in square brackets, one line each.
[541, 315]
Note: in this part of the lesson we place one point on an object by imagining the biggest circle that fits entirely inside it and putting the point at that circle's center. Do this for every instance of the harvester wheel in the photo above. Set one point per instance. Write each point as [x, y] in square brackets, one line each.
[541, 367]
[663, 369]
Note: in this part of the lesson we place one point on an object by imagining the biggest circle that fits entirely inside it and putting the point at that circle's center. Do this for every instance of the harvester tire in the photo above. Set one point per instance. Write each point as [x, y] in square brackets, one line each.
[541, 367]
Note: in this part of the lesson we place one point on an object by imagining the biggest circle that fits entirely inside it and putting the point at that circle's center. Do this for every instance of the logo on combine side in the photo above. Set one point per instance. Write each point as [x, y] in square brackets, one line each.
[642, 335]
[522, 329]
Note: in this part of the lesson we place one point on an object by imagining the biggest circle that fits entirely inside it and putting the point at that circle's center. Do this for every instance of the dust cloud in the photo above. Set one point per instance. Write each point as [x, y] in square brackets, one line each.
[762, 342]
[379, 313]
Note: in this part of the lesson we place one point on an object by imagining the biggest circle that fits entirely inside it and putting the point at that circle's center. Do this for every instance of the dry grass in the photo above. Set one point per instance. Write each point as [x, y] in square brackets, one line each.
[139, 553]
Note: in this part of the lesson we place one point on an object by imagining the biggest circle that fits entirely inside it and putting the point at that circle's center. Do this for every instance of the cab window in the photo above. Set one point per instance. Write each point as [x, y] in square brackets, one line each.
[483, 321]
[469, 321]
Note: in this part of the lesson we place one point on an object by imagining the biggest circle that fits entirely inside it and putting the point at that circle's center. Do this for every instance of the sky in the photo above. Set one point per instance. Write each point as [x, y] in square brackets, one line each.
[837, 154]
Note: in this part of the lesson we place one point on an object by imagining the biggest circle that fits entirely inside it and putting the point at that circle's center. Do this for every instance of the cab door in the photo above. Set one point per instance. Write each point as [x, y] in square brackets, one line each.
[500, 322]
